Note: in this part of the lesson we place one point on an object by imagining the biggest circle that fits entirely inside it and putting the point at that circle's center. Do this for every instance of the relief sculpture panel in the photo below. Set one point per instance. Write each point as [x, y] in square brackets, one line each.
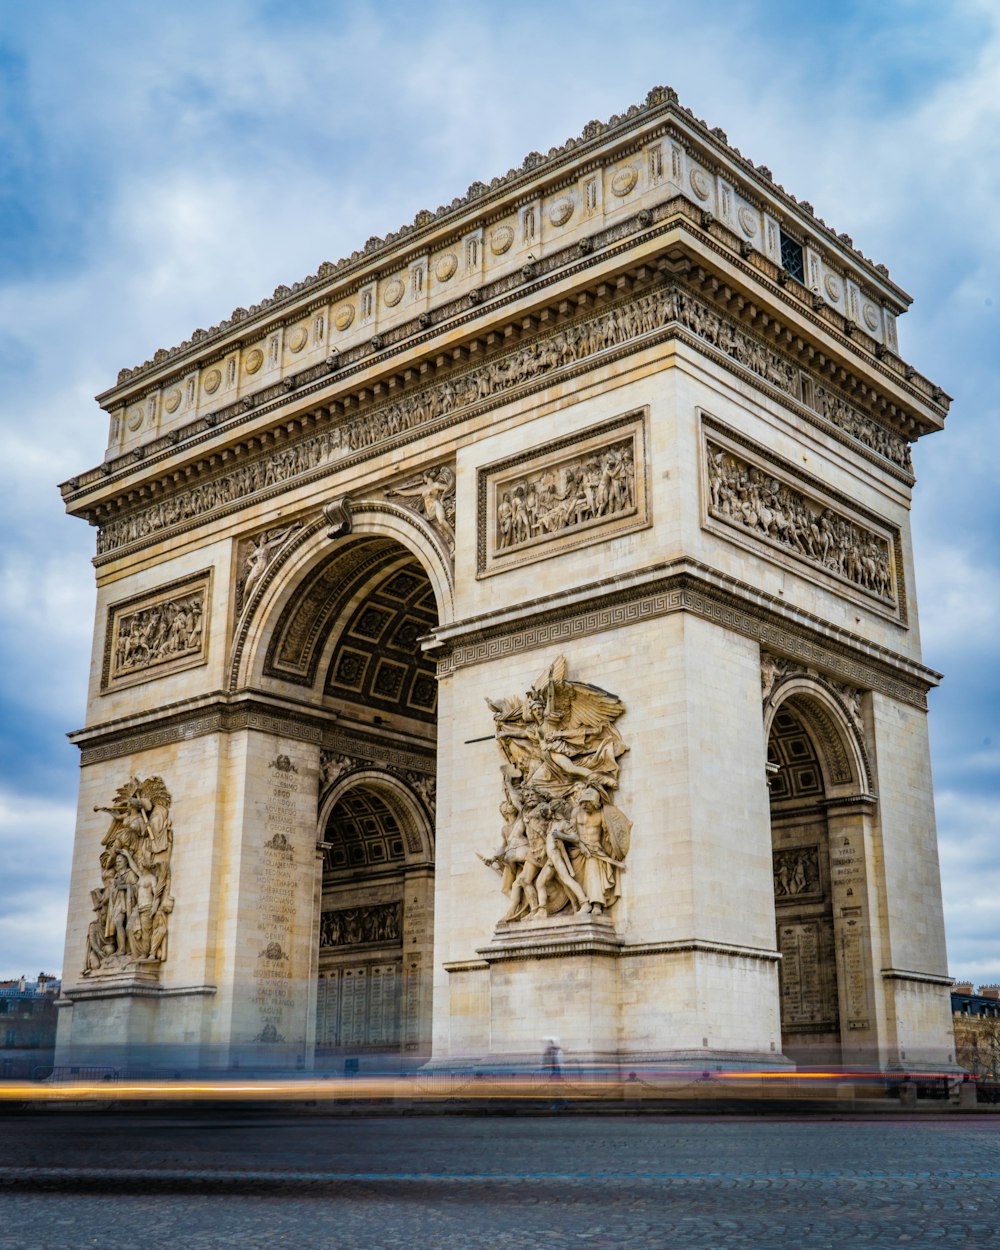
[751, 496]
[564, 841]
[358, 926]
[132, 906]
[584, 488]
[150, 636]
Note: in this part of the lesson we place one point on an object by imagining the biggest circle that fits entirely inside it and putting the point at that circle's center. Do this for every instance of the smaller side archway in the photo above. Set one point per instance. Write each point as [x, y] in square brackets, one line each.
[375, 925]
[824, 878]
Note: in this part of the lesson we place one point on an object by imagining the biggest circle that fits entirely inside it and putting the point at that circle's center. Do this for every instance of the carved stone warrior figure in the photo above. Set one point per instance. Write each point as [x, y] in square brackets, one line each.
[133, 904]
[564, 841]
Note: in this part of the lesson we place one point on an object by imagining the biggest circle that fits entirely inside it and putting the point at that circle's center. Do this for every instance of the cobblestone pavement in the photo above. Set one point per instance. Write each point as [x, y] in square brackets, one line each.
[128, 1182]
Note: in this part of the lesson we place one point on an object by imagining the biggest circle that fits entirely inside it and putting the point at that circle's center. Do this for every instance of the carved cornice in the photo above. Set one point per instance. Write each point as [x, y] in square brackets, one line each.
[923, 978]
[660, 115]
[219, 712]
[581, 341]
[96, 990]
[685, 946]
[606, 245]
[685, 586]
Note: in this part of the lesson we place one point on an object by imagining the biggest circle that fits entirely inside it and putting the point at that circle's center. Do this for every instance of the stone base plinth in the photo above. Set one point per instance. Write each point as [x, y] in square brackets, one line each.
[538, 979]
[125, 1018]
[654, 1007]
[140, 979]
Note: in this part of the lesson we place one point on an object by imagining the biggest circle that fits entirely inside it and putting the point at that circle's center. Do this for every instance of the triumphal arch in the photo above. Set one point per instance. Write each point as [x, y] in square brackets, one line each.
[510, 631]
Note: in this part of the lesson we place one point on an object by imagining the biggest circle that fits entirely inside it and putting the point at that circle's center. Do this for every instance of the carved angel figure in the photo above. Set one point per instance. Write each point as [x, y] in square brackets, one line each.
[564, 841]
[260, 556]
[434, 493]
[133, 904]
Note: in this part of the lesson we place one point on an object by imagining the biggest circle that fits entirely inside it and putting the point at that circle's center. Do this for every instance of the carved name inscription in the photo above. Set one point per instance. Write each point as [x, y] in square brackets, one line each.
[153, 635]
[847, 878]
[630, 321]
[275, 990]
[753, 499]
[358, 1007]
[808, 994]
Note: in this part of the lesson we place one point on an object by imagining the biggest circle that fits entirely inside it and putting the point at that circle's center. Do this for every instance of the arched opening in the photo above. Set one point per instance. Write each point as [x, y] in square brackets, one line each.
[803, 899]
[377, 874]
[825, 882]
[343, 632]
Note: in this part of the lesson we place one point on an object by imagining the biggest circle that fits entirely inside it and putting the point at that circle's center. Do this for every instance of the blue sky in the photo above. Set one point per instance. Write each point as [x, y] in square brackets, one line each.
[162, 164]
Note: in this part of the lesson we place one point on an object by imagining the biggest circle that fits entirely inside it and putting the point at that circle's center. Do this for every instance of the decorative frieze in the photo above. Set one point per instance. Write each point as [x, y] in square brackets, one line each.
[582, 489]
[152, 635]
[632, 323]
[362, 926]
[750, 494]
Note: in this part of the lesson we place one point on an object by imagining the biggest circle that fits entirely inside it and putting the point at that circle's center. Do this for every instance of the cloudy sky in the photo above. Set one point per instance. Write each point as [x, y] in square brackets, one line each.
[161, 164]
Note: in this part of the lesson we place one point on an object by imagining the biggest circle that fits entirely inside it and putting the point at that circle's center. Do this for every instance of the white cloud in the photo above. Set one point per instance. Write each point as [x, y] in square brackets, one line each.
[969, 835]
[185, 167]
[36, 837]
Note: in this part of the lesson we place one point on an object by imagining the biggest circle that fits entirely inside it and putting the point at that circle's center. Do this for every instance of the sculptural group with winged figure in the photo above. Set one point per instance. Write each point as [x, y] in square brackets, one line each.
[564, 840]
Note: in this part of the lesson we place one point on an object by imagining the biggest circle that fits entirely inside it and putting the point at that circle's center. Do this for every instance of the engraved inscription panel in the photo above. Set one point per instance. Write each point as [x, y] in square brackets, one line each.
[152, 635]
[808, 996]
[584, 488]
[275, 877]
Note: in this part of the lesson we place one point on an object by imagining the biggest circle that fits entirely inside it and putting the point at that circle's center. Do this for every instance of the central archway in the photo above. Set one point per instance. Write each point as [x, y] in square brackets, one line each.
[337, 623]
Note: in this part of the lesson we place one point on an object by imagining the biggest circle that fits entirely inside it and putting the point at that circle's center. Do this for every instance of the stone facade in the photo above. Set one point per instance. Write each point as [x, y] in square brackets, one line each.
[519, 619]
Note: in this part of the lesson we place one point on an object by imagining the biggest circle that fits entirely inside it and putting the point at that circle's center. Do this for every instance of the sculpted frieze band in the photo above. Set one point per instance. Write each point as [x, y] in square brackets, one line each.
[156, 634]
[358, 926]
[753, 499]
[628, 322]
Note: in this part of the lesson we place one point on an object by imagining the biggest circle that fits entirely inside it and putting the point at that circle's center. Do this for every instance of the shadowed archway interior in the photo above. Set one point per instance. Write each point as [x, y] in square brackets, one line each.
[806, 933]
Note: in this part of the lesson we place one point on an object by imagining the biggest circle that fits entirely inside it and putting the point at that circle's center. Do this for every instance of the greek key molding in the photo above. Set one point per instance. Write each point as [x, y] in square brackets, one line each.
[158, 632]
[730, 604]
[583, 341]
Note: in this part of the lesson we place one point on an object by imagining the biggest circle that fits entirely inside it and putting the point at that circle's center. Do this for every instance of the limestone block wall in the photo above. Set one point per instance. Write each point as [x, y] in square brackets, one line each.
[699, 870]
